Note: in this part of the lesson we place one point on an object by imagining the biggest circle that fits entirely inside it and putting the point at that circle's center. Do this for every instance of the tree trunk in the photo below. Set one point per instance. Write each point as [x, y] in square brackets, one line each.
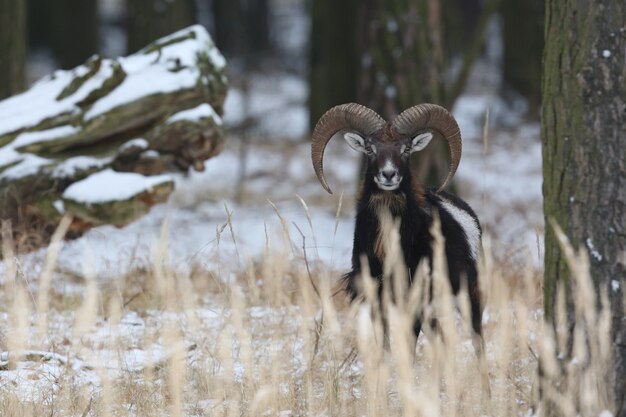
[584, 157]
[522, 53]
[460, 19]
[402, 56]
[334, 60]
[397, 59]
[258, 25]
[38, 23]
[12, 46]
[248, 38]
[74, 31]
[76, 141]
[151, 19]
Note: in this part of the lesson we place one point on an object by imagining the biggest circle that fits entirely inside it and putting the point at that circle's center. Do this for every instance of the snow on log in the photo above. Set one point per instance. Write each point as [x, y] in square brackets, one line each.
[154, 112]
[110, 197]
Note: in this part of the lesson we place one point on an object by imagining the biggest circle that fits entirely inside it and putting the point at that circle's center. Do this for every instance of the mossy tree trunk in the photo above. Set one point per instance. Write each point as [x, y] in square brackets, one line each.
[151, 19]
[12, 46]
[523, 47]
[584, 153]
[334, 60]
[74, 35]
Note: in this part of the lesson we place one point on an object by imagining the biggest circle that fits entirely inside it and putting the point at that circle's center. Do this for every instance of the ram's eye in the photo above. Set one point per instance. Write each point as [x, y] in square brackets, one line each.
[370, 149]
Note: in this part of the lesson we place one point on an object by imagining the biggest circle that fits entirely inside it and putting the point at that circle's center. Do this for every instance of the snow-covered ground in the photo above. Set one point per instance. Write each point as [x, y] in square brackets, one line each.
[501, 180]
[209, 223]
[216, 223]
[503, 184]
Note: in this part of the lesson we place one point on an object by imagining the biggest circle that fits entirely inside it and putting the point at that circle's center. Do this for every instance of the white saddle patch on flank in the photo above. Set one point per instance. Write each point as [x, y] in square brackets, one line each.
[469, 225]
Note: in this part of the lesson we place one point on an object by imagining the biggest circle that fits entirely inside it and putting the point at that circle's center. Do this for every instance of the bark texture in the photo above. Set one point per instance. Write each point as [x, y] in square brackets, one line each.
[584, 152]
[12, 46]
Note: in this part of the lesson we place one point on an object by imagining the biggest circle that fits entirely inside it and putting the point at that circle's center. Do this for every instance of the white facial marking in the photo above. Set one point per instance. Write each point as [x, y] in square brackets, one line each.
[355, 141]
[384, 183]
[402, 148]
[420, 141]
[389, 166]
[468, 224]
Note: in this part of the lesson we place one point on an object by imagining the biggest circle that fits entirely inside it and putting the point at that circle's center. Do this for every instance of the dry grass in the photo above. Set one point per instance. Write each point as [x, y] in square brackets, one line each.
[277, 339]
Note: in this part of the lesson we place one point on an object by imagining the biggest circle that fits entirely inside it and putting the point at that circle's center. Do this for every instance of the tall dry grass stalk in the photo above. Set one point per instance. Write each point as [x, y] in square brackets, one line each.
[576, 354]
[277, 339]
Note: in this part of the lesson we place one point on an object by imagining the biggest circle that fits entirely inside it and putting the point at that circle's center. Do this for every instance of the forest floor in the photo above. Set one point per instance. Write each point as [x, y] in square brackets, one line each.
[225, 300]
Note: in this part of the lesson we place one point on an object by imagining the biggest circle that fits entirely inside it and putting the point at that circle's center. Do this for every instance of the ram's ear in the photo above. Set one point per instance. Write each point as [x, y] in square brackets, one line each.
[420, 141]
[355, 141]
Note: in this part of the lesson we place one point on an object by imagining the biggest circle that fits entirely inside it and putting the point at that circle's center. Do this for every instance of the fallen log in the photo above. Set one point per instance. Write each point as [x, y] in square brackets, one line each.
[97, 142]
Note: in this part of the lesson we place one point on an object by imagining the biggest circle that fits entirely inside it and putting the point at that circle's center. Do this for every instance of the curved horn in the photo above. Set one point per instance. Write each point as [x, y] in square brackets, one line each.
[350, 116]
[432, 117]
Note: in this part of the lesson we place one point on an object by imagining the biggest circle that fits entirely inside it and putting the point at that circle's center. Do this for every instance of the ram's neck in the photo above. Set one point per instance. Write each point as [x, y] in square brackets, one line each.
[388, 208]
[388, 201]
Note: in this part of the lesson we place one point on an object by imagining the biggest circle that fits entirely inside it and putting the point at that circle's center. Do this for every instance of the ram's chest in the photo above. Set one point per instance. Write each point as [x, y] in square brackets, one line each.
[387, 209]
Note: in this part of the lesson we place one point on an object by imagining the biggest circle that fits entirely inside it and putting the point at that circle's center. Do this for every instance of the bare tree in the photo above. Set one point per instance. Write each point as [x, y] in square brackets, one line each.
[12, 46]
[73, 33]
[152, 19]
[334, 60]
[250, 37]
[522, 53]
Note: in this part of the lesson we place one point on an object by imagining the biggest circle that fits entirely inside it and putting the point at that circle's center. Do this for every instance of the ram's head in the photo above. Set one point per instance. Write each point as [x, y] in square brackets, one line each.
[387, 145]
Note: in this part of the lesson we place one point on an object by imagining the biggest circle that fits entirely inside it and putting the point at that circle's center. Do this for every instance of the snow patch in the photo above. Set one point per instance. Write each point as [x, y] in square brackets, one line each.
[203, 111]
[172, 68]
[108, 185]
[392, 25]
[151, 153]
[140, 143]
[217, 58]
[277, 103]
[606, 53]
[29, 138]
[59, 206]
[26, 165]
[69, 167]
[9, 156]
[615, 285]
[597, 255]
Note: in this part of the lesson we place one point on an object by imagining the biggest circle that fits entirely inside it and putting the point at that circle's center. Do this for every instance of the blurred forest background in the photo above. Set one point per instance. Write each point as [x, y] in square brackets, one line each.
[385, 54]
[291, 60]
